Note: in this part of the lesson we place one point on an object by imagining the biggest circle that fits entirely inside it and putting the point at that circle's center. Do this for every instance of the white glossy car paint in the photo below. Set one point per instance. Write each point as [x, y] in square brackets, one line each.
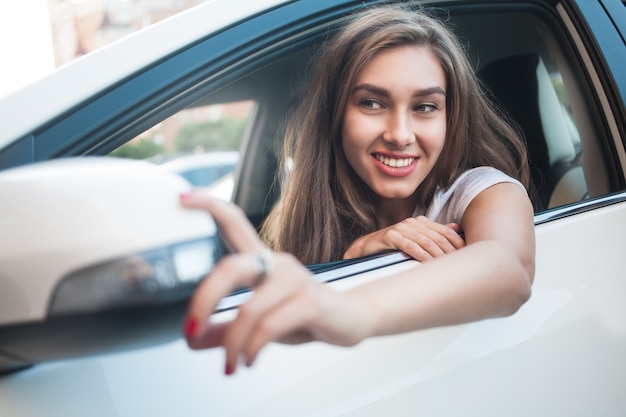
[515, 366]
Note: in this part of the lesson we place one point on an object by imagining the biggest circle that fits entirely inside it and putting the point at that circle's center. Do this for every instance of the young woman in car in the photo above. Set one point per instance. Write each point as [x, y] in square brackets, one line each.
[394, 148]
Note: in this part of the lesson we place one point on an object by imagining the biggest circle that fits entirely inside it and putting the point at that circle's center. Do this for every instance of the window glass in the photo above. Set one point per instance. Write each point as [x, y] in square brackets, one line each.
[199, 143]
[566, 174]
[524, 67]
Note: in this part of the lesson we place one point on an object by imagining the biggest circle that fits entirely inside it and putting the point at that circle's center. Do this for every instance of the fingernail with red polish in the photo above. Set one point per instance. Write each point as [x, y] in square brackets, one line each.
[191, 327]
[229, 370]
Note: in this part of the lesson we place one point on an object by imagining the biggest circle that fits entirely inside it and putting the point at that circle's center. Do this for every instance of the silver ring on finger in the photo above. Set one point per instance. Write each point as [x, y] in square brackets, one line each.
[263, 266]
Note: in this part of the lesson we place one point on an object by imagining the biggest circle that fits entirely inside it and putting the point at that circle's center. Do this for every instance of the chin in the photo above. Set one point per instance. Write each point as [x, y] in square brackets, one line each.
[396, 195]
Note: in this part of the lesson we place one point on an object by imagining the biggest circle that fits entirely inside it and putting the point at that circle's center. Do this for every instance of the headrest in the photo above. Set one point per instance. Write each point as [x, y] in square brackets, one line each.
[560, 144]
[524, 87]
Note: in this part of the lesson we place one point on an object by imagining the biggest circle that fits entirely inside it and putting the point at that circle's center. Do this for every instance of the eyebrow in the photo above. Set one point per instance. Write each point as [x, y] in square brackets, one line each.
[382, 92]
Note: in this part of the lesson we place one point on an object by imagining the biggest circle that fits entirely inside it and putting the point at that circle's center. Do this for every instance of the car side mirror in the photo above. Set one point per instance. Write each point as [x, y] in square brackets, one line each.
[96, 255]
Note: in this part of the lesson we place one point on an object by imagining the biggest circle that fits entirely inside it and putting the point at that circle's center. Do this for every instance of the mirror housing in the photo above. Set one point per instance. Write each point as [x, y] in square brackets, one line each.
[96, 255]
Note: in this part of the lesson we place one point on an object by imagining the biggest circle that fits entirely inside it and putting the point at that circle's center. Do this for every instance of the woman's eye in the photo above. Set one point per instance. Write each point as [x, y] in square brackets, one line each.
[370, 104]
[425, 108]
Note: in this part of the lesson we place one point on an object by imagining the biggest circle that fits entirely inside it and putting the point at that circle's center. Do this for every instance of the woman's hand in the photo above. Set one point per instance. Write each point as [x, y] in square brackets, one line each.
[287, 305]
[418, 237]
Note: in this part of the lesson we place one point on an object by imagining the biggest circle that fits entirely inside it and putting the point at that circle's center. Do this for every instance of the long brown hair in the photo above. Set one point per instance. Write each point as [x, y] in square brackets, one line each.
[324, 205]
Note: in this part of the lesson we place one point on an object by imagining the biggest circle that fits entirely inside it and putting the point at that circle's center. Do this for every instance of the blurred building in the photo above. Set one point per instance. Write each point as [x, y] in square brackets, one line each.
[81, 26]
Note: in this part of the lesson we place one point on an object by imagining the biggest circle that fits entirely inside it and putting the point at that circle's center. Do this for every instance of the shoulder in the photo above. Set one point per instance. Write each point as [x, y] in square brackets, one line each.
[448, 205]
[480, 178]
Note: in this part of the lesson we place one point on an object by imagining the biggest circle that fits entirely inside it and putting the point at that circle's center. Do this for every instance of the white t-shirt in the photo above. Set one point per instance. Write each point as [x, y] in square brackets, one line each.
[449, 205]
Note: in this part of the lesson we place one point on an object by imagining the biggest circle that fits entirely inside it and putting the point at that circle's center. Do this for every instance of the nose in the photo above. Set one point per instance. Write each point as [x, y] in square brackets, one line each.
[399, 130]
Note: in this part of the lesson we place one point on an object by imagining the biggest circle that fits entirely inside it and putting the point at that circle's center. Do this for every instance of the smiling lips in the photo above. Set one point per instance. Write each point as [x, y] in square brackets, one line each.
[394, 162]
[395, 166]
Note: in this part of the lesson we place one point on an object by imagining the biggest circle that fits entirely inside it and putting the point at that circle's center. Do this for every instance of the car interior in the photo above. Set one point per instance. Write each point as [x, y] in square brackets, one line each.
[522, 84]
[521, 56]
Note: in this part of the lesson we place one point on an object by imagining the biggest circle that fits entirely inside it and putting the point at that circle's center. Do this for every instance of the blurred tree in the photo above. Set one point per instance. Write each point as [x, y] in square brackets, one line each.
[142, 149]
[219, 135]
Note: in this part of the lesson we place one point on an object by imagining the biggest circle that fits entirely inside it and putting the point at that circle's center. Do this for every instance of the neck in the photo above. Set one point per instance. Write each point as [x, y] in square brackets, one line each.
[392, 211]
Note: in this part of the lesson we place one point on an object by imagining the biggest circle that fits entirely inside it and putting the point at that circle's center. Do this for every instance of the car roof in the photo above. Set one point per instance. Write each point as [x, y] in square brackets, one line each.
[41, 101]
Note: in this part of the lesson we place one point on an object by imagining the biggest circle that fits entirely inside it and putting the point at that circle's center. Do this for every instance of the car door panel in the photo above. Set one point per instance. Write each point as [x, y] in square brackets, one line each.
[527, 364]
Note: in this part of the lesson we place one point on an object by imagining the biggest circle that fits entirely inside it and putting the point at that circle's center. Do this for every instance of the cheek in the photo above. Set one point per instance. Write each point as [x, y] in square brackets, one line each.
[434, 139]
[349, 135]
[356, 131]
[350, 148]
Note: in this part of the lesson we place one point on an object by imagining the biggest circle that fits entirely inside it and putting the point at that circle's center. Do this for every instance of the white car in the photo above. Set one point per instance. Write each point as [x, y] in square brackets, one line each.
[556, 65]
[203, 169]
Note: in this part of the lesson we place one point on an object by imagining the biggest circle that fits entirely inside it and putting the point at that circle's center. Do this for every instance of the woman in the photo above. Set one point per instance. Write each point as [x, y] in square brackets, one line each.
[474, 136]
[397, 142]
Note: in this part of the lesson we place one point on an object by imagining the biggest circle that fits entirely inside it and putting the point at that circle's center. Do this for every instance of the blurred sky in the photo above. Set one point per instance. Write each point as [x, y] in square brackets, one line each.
[25, 43]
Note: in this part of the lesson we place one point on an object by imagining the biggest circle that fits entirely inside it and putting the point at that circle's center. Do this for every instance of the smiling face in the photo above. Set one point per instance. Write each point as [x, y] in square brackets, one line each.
[394, 123]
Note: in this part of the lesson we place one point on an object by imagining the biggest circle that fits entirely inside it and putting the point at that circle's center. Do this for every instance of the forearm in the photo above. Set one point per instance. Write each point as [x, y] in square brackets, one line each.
[483, 280]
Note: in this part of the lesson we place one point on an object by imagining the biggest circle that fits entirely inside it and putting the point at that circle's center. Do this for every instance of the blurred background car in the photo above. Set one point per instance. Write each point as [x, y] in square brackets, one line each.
[204, 169]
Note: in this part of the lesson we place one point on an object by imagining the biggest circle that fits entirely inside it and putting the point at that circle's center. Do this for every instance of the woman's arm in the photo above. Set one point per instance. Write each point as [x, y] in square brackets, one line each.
[287, 305]
[489, 277]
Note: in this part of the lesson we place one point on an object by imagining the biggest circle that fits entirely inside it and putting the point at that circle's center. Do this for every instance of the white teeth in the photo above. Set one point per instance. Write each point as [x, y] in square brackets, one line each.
[395, 163]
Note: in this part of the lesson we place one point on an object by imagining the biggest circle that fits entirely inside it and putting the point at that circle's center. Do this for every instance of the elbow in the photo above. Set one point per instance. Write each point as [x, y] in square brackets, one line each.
[517, 283]
[521, 279]
[514, 301]
[518, 299]
[521, 290]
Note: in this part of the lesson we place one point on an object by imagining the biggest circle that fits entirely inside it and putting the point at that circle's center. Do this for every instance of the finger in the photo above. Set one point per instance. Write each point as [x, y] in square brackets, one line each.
[412, 239]
[316, 313]
[418, 239]
[266, 298]
[289, 319]
[436, 243]
[424, 245]
[212, 337]
[452, 232]
[271, 295]
[444, 235]
[232, 272]
[417, 250]
[396, 239]
[233, 223]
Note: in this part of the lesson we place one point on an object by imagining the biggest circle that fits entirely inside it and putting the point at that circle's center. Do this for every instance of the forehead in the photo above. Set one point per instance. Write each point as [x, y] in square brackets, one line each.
[404, 66]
